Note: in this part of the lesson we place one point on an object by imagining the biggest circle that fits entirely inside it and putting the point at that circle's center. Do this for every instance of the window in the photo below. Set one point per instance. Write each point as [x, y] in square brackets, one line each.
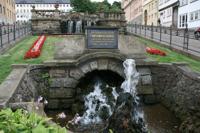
[4, 10]
[196, 15]
[199, 14]
[183, 21]
[0, 8]
[191, 16]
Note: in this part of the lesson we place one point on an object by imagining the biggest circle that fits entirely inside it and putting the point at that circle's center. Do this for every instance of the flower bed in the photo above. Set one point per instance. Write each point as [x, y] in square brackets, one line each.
[155, 51]
[36, 48]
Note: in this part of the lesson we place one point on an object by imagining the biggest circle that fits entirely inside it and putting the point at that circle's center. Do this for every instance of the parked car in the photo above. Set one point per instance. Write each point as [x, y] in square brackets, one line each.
[197, 33]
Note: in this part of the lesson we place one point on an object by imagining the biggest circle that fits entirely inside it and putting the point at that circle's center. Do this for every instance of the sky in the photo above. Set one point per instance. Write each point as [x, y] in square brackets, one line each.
[111, 1]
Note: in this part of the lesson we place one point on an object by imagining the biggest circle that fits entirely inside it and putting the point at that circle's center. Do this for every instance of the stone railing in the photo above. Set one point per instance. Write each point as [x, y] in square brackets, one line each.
[45, 14]
[112, 15]
[57, 22]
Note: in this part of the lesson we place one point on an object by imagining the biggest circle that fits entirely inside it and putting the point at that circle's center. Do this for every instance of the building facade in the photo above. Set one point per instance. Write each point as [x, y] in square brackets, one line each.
[189, 14]
[7, 11]
[24, 7]
[150, 12]
[168, 11]
[133, 10]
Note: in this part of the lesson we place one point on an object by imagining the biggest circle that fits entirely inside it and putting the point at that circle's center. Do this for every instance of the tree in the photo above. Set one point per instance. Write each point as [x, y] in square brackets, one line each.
[118, 4]
[83, 6]
[103, 6]
[116, 7]
[93, 7]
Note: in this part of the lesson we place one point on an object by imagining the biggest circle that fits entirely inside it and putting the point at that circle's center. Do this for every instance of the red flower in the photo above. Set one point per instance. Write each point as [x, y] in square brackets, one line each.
[36, 48]
[155, 51]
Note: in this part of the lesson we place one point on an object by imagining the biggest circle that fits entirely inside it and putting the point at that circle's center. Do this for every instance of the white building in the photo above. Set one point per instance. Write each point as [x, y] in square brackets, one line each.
[189, 13]
[168, 10]
[24, 7]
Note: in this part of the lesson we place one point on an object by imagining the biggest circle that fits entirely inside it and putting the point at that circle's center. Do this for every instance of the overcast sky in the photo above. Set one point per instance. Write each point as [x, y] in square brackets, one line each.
[111, 1]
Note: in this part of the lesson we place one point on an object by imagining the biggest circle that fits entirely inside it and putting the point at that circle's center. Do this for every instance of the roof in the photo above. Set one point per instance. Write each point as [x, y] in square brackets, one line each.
[42, 1]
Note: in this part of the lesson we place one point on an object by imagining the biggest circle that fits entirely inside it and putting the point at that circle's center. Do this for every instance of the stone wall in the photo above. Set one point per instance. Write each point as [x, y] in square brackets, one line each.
[174, 85]
[137, 20]
[58, 83]
[11, 84]
[50, 21]
[46, 26]
[74, 47]
[178, 88]
[25, 92]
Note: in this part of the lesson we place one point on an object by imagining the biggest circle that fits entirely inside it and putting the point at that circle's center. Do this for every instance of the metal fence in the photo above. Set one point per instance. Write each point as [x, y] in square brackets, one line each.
[182, 39]
[12, 32]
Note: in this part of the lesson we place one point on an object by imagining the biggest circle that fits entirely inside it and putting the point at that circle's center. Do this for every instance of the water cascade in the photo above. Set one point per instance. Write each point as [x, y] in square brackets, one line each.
[78, 26]
[95, 102]
[125, 103]
[70, 26]
[129, 85]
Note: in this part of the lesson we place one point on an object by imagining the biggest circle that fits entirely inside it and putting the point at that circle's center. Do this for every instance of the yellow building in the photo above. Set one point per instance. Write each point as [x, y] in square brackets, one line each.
[7, 11]
[150, 12]
[133, 10]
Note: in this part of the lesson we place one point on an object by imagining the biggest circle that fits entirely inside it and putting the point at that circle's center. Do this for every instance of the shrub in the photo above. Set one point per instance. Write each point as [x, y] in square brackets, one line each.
[21, 121]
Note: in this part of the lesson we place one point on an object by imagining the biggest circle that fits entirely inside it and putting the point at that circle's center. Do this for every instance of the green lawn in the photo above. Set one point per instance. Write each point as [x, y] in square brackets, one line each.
[171, 55]
[16, 54]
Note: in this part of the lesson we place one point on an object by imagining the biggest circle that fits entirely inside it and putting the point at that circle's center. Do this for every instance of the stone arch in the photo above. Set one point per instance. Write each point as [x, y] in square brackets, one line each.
[105, 75]
[102, 63]
[99, 63]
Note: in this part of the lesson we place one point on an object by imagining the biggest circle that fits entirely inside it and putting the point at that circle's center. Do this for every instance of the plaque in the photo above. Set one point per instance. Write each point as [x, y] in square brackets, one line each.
[102, 38]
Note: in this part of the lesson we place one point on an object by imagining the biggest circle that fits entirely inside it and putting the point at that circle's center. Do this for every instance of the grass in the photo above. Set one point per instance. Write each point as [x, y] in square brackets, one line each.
[171, 55]
[16, 55]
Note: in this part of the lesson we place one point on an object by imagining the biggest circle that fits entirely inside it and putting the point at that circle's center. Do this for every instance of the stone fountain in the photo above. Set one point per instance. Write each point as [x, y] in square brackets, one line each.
[101, 47]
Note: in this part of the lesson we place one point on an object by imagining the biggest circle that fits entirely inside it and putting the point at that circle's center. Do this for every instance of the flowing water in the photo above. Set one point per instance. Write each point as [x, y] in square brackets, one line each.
[70, 26]
[129, 85]
[78, 26]
[157, 117]
[96, 102]
[100, 101]
[160, 120]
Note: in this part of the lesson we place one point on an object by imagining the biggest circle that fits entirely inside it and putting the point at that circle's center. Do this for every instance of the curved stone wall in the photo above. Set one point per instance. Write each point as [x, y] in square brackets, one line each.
[178, 88]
